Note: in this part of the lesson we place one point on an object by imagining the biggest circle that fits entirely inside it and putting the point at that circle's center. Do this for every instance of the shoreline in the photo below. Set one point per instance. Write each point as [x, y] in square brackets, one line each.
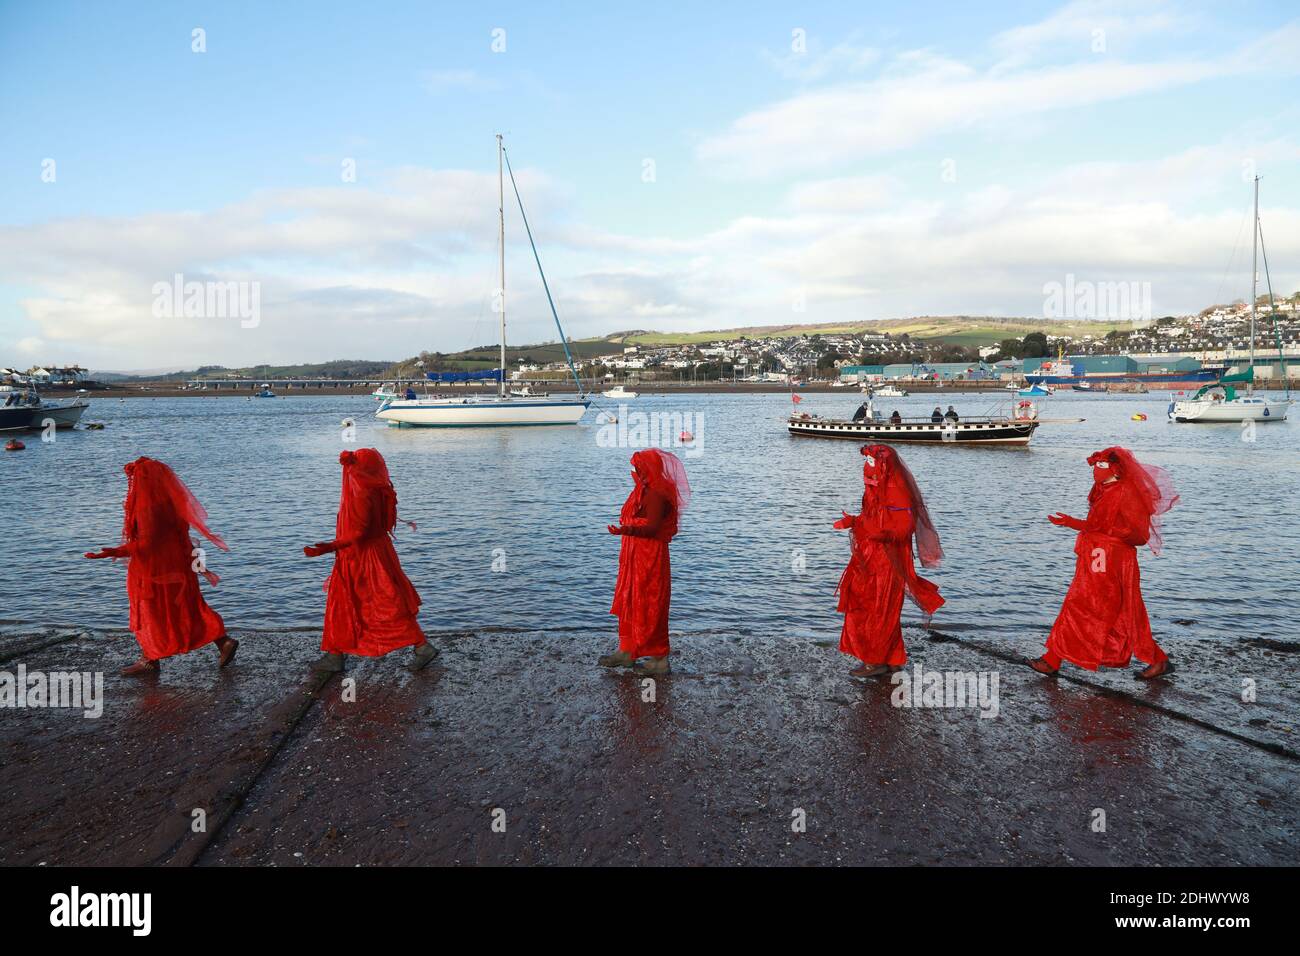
[163, 390]
[291, 768]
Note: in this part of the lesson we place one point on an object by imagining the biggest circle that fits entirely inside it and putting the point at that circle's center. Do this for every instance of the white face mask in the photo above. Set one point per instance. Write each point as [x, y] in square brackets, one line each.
[1102, 464]
[871, 460]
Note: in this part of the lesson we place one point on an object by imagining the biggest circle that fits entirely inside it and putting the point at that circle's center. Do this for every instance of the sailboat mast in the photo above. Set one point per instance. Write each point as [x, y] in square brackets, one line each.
[1254, 283]
[501, 212]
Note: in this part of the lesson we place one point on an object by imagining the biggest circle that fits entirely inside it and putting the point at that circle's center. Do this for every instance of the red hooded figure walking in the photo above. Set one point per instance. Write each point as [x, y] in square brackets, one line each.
[1103, 621]
[647, 523]
[880, 569]
[168, 613]
[371, 605]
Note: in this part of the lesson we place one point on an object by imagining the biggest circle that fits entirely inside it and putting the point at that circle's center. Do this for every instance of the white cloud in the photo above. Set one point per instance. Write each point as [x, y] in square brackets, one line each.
[921, 95]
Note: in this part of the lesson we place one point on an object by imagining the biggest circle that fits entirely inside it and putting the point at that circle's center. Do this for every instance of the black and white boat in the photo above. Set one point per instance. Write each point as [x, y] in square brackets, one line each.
[1014, 429]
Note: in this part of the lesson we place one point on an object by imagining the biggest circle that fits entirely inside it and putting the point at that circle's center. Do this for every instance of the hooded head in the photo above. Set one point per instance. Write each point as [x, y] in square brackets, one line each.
[664, 472]
[883, 467]
[366, 485]
[157, 500]
[1149, 486]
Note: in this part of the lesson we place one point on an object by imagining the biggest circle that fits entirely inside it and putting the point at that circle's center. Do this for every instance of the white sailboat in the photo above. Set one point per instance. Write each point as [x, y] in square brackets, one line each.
[1219, 401]
[505, 407]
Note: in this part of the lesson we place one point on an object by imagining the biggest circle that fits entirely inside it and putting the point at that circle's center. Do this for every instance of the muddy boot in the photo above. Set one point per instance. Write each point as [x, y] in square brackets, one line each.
[617, 659]
[141, 668]
[226, 647]
[1155, 670]
[653, 666]
[423, 656]
[869, 670]
[330, 663]
[1041, 665]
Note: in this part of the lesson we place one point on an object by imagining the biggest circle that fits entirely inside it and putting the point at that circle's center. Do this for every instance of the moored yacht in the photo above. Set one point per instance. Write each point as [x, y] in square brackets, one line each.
[503, 408]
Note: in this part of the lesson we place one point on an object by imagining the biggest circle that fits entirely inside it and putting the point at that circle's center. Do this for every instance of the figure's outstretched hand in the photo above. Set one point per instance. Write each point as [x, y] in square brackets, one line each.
[317, 549]
[1065, 521]
[614, 529]
[845, 522]
[101, 553]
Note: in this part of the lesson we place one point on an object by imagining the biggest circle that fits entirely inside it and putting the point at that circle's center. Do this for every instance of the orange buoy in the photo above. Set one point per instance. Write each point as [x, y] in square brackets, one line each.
[14, 444]
[1139, 417]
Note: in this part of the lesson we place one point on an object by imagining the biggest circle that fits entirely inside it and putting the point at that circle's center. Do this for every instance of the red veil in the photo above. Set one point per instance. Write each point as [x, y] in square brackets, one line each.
[157, 500]
[664, 473]
[366, 486]
[1149, 486]
[890, 468]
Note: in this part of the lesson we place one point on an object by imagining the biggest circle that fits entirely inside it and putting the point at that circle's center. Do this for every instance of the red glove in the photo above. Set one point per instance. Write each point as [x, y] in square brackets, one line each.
[846, 522]
[1065, 521]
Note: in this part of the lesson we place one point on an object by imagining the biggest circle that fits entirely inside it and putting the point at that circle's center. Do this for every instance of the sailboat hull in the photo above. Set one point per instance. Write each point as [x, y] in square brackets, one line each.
[1237, 410]
[481, 413]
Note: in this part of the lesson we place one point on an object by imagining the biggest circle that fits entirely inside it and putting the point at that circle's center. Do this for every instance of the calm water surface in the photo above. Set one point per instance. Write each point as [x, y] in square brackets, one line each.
[268, 473]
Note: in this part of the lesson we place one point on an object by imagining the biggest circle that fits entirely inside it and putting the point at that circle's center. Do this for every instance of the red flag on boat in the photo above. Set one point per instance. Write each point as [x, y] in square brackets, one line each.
[796, 398]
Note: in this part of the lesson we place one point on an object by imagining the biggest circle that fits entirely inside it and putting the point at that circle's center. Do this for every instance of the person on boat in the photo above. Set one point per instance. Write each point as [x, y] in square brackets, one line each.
[650, 518]
[1103, 620]
[895, 418]
[861, 413]
[951, 414]
[880, 569]
[410, 394]
[168, 613]
[371, 606]
[936, 416]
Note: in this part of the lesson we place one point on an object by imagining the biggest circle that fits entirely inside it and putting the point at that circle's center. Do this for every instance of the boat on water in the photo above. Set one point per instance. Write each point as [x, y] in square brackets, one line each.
[1220, 401]
[1085, 387]
[385, 393]
[503, 408]
[618, 391]
[1015, 429]
[266, 392]
[887, 391]
[1036, 391]
[23, 409]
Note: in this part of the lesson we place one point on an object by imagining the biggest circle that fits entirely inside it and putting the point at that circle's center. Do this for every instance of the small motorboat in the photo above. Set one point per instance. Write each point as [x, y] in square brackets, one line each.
[888, 391]
[1036, 391]
[526, 392]
[618, 391]
[266, 392]
[61, 414]
[14, 444]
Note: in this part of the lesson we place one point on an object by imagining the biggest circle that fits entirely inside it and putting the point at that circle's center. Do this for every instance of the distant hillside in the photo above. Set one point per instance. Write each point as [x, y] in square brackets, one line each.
[953, 329]
[338, 368]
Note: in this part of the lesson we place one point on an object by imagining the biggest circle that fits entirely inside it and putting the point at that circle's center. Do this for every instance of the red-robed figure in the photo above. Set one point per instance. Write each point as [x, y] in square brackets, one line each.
[647, 523]
[880, 569]
[1103, 621]
[168, 613]
[370, 606]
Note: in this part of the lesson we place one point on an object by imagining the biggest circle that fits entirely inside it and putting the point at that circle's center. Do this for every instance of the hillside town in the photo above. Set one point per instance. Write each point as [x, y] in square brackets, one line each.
[1219, 335]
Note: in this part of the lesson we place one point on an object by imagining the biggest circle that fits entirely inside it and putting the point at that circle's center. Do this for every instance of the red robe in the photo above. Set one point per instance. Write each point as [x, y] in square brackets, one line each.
[1103, 620]
[372, 605]
[879, 573]
[644, 587]
[168, 613]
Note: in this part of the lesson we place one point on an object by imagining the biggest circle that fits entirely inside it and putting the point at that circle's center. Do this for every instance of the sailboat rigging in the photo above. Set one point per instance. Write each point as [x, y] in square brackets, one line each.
[1219, 401]
[506, 407]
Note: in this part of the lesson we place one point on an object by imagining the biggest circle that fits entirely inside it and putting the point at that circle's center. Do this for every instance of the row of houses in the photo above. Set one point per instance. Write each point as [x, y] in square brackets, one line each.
[45, 375]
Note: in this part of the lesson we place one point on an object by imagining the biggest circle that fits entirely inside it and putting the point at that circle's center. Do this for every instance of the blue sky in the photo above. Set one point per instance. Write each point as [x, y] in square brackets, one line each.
[860, 161]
